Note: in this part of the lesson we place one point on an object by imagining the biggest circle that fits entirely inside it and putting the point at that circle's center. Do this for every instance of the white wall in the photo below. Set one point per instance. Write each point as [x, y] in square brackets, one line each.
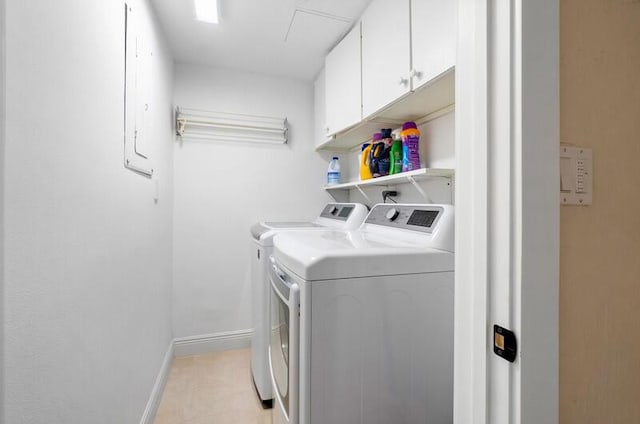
[2, 135]
[437, 142]
[88, 252]
[223, 188]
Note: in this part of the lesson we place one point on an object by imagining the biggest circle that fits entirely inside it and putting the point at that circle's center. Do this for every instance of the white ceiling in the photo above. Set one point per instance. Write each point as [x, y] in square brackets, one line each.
[278, 37]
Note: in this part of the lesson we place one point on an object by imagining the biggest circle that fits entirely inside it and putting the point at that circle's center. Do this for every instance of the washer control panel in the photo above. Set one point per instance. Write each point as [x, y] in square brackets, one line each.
[423, 218]
[339, 211]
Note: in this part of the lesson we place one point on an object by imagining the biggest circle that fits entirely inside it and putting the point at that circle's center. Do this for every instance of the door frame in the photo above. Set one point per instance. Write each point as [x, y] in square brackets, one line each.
[507, 210]
[3, 26]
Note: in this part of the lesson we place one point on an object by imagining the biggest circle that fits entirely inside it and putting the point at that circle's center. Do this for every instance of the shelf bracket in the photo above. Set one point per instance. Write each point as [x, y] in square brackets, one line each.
[181, 123]
[419, 189]
[363, 194]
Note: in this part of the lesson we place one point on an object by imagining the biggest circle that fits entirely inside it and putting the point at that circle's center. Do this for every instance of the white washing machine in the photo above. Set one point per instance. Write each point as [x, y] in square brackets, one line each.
[362, 321]
[333, 216]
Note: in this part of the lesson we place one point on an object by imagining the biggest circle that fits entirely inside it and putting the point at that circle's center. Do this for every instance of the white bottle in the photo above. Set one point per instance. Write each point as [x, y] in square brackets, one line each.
[333, 173]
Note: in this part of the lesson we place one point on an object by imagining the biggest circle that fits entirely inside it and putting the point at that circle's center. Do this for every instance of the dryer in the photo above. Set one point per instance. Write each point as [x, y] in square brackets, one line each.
[333, 216]
[362, 321]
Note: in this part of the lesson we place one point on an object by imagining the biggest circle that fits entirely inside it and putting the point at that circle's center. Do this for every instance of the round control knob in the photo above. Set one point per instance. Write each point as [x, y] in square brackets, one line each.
[392, 214]
[333, 210]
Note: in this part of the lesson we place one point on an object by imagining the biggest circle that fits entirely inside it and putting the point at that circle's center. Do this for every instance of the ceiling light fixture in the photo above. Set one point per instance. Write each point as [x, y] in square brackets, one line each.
[207, 11]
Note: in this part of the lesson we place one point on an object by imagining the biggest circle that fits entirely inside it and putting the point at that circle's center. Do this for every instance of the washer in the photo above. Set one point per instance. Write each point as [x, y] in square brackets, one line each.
[333, 216]
[362, 321]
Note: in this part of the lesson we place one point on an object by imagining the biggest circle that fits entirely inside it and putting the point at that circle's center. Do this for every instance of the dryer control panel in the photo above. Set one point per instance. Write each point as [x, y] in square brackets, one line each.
[339, 211]
[422, 218]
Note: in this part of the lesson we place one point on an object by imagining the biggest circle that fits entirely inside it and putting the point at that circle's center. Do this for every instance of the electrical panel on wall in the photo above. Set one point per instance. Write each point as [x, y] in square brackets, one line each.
[136, 95]
[576, 176]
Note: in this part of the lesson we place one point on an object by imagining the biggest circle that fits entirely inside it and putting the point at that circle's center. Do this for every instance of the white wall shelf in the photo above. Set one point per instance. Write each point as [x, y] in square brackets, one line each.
[389, 180]
[429, 100]
[411, 177]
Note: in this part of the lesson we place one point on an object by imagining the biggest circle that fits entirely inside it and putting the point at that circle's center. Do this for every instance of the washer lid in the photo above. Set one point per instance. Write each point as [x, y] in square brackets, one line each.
[260, 228]
[345, 216]
[334, 254]
[292, 224]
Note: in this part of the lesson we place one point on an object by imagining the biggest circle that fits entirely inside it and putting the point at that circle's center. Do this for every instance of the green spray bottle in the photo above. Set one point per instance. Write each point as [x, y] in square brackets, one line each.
[396, 157]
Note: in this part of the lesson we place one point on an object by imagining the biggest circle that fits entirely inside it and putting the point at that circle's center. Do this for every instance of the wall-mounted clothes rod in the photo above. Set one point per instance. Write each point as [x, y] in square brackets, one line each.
[202, 124]
[147, 172]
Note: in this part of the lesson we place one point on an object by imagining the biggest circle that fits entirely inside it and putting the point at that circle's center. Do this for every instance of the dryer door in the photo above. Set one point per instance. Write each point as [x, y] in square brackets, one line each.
[283, 347]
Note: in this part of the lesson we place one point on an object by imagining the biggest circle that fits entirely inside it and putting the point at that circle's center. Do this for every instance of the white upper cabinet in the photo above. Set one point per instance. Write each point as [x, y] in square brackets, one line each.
[401, 69]
[320, 107]
[343, 84]
[434, 32]
[386, 50]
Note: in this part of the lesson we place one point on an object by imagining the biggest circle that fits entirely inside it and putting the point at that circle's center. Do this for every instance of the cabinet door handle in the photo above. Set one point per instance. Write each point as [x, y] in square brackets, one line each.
[403, 81]
[327, 130]
[416, 74]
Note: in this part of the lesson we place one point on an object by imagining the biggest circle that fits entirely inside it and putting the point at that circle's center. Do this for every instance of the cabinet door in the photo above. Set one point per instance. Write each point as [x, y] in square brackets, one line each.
[386, 52]
[434, 26]
[320, 110]
[343, 84]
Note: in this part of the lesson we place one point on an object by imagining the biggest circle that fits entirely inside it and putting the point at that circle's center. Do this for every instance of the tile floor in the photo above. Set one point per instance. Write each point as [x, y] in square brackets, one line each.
[215, 388]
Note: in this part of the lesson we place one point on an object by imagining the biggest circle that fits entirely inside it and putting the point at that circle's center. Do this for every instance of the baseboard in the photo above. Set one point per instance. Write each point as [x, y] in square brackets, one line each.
[204, 343]
[149, 414]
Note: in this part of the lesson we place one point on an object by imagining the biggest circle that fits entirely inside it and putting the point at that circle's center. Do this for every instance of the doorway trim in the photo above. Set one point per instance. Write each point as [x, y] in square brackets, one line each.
[507, 210]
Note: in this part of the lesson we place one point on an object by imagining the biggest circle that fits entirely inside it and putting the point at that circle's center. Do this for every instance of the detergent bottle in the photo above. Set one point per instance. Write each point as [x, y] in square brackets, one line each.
[379, 155]
[395, 157]
[410, 146]
[384, 157]
[365, 172]
[374, 153]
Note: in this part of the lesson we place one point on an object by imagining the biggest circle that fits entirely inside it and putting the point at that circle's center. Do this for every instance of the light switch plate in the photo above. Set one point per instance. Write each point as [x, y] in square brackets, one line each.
[576, 176]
